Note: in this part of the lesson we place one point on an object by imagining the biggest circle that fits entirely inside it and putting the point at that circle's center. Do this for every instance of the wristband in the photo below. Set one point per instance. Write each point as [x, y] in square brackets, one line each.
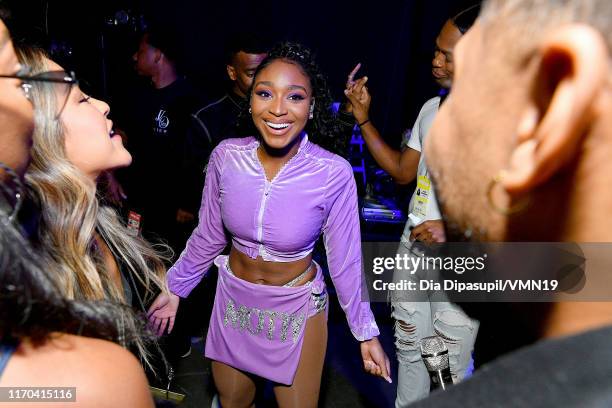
[363, 123]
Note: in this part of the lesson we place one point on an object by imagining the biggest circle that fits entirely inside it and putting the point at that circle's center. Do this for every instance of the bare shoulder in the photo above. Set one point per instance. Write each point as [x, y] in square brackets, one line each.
[93, 366]
[111, 367]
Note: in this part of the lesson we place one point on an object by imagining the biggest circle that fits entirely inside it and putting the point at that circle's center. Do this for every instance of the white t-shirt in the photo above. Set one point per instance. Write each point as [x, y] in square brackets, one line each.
[423, 204]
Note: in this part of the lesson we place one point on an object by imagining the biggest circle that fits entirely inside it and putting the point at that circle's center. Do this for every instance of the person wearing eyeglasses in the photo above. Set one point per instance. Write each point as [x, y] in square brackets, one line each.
[16, 115]
[93, 256]
[37, 323]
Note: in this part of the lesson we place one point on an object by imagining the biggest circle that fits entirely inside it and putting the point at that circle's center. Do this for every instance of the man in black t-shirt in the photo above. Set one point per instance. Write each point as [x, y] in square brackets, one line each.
[156, 127]
[218, 120]
[155, 120]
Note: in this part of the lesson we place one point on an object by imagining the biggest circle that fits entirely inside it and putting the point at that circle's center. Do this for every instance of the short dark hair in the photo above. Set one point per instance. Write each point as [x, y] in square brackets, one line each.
[163, 39]
[248, 42]
[465, 19]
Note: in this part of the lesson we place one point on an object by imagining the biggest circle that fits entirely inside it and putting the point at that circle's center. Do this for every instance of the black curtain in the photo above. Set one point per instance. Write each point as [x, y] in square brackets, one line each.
[393, 39]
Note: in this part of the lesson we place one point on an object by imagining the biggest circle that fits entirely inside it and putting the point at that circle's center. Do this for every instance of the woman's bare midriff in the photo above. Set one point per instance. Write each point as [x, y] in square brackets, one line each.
[270, 273]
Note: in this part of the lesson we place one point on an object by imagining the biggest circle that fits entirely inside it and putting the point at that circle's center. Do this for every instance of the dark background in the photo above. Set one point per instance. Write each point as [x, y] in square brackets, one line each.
[393, 39]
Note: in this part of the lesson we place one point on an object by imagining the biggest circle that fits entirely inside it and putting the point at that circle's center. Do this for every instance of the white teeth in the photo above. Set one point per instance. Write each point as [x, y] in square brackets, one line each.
[278, 125]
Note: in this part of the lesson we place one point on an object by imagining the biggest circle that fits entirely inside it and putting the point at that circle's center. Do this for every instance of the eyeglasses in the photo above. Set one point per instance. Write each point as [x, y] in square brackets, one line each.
[62, 82]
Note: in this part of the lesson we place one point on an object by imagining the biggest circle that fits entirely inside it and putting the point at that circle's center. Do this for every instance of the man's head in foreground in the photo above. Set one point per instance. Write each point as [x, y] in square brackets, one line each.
[531, 108]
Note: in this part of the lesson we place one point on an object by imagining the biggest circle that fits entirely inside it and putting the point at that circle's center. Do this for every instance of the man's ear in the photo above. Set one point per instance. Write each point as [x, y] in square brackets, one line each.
[231, 72]
[572, 68]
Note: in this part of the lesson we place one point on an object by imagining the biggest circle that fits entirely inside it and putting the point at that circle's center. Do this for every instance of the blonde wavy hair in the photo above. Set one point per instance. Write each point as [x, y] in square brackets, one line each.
[71, 214]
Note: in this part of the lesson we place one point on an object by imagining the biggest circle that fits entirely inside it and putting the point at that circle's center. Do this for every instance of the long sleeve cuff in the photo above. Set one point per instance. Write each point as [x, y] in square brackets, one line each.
[181, 286]
[365, 327]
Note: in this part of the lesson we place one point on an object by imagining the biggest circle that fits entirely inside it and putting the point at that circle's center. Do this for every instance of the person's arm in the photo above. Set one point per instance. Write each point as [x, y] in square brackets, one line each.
[208, 239]
[342, 240]
[402, 166]
[206, 242]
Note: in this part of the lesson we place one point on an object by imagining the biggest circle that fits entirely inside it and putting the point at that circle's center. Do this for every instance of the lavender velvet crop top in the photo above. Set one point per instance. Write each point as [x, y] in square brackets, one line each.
[280, 220]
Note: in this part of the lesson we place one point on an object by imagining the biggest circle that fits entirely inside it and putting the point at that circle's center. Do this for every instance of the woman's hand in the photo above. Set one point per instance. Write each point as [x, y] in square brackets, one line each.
[162, 312]
[375, 361]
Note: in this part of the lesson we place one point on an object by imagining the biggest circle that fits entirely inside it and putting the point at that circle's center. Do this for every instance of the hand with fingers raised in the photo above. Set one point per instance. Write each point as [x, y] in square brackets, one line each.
[358, 96]
[350, 82]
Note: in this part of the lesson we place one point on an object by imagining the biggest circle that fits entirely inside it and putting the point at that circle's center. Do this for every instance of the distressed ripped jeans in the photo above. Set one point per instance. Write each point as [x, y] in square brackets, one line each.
[420, 318]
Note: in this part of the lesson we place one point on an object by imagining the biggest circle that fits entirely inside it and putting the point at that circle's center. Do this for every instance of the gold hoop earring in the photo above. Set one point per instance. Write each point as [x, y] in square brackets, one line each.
[517, 208]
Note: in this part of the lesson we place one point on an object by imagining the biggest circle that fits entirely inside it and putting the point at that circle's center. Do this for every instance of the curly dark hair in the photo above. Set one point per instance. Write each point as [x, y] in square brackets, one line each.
[324, 128]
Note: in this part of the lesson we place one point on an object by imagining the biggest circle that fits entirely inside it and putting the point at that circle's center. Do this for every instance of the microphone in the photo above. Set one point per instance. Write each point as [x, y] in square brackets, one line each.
[435, 356]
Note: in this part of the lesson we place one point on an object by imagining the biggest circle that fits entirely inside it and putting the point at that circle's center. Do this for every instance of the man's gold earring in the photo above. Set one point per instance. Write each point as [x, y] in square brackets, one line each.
[516, 208]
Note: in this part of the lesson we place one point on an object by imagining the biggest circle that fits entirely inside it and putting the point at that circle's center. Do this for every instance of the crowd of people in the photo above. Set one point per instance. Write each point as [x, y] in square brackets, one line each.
[103, 255]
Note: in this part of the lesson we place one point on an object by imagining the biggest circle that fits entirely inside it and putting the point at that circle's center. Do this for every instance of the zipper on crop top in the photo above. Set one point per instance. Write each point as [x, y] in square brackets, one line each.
[262, 207]
[264, 198]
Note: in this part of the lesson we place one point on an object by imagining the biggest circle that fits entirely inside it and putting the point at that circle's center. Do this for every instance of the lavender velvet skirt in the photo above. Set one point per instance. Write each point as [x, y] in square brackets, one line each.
[260, 328]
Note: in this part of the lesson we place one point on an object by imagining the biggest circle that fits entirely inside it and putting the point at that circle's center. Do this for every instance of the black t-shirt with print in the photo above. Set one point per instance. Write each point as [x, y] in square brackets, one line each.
[156, 124]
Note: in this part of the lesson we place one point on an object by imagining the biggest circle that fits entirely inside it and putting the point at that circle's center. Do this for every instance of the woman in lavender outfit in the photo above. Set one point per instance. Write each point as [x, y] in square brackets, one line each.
[274, 195]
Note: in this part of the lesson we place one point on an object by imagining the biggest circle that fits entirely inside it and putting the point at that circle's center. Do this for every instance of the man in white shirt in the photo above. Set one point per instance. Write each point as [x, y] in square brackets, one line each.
[419, 318]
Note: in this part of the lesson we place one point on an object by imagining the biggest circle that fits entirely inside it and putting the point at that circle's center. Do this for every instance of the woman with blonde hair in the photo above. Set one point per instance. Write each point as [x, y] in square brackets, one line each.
[86, 243]
[40, 330]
